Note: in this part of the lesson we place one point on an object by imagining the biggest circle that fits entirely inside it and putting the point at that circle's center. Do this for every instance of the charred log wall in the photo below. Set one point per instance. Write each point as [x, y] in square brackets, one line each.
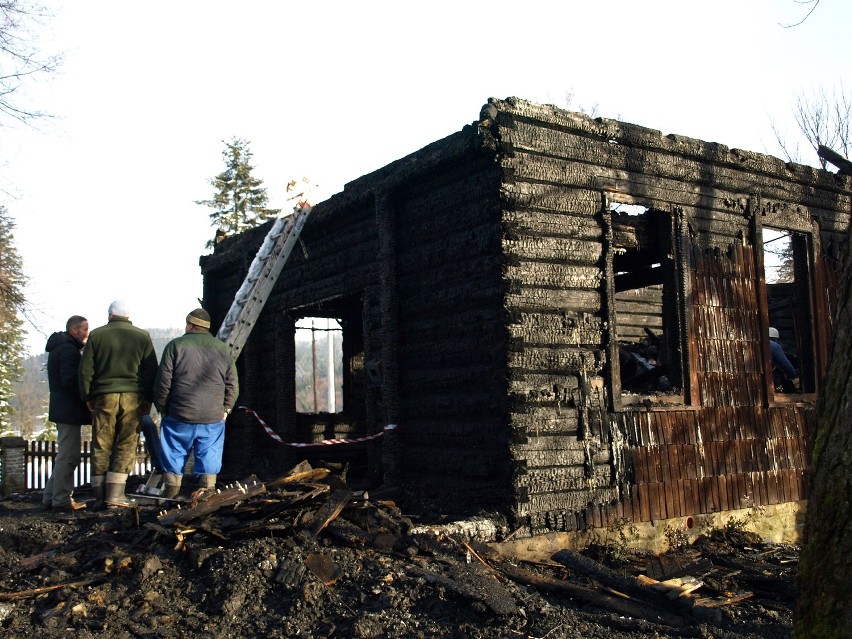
[412, 253]
[327, 274]
[724, 440]
[452, 335]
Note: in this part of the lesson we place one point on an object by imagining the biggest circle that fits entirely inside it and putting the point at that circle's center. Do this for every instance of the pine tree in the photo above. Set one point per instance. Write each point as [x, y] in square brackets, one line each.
[31, 397]
[240, 202]
[12, 302]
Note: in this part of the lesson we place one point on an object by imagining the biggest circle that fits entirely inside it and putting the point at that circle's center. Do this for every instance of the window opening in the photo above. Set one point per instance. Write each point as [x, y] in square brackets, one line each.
[646, 325]
[319, 365]
[786, 266]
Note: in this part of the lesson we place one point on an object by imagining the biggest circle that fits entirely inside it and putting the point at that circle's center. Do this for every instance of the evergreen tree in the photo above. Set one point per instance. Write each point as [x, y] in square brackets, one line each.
[240, 202]
[30, 397]
[12, 301]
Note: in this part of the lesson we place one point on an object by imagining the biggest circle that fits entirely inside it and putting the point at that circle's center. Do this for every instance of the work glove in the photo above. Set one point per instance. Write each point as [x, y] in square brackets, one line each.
[797, 384]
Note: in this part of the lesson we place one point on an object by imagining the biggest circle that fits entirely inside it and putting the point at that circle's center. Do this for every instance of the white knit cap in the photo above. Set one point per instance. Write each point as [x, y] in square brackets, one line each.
[119, 308]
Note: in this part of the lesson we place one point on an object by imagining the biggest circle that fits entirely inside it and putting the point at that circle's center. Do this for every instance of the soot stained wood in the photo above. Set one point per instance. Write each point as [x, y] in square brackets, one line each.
[478, 270]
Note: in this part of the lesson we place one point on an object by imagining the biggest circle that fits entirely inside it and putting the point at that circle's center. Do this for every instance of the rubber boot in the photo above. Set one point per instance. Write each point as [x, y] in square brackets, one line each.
[115, 485]
[206, 487]
[98, 491]
[172, 487]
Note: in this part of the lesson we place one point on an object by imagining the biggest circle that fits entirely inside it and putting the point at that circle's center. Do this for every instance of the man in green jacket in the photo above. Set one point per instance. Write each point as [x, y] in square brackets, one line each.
[117, 372]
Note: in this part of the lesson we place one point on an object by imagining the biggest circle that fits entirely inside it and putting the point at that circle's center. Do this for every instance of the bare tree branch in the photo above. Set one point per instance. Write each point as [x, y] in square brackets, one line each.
[815, 4]
[21, 61]
[824, 118]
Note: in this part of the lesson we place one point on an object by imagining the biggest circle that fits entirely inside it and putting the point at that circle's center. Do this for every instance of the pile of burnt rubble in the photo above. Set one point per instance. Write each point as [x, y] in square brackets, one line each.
[89, 568]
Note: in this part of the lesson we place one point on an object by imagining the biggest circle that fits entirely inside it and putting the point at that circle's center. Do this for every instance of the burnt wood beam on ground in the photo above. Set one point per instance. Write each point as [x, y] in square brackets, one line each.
[215, 501]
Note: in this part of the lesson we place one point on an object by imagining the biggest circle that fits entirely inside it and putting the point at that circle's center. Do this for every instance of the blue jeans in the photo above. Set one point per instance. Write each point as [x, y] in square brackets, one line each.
[178, 438]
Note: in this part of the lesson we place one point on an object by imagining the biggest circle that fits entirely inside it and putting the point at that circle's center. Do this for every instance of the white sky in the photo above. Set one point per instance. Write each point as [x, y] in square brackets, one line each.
[103, 196]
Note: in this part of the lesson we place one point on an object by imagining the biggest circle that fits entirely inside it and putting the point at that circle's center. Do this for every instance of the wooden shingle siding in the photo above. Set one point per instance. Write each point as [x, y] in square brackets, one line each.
[679, 462]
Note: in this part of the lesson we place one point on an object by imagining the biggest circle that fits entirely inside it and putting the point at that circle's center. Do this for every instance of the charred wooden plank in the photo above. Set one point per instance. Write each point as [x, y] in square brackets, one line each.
[232, 495]
[590, 596]
[835, 158]
[331, 509]
[347, 533]
[312, 475]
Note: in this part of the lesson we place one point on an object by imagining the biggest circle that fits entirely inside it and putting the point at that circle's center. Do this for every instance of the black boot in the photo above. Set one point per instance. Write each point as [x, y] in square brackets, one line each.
[115, 485]
[98, 489]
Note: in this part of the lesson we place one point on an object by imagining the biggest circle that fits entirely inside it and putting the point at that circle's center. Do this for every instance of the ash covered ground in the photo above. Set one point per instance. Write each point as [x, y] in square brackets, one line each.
[311, 559]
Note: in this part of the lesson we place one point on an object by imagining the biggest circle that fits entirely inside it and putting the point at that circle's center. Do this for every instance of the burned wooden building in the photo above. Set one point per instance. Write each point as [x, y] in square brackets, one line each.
[560, 317]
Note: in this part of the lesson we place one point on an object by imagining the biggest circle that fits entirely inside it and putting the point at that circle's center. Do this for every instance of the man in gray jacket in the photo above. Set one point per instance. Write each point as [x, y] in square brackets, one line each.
[195, 389]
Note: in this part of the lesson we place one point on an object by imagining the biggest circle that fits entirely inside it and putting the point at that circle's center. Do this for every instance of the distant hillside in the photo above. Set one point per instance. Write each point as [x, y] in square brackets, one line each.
[161, 337]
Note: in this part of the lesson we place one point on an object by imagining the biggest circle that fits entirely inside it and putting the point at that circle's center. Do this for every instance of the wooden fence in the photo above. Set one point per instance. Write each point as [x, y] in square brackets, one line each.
[40, 456]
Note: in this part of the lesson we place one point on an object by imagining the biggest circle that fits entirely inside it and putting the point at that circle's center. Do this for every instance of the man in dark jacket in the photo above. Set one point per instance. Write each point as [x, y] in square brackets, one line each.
[117, 372]
[66, 410]
[195, 389]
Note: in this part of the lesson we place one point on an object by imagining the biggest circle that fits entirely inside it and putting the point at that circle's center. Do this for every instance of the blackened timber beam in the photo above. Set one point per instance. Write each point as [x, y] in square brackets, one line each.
[844, 165]
[638, 279]
[389, 318]
[609, 304]
[756, 229]
[330, 510]
[227, 497]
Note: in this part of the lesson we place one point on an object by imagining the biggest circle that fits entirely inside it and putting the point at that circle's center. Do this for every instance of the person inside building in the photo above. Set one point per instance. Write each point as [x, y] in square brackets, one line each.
[784, 374]
[66, 410]
[195, 389]
[117, 372]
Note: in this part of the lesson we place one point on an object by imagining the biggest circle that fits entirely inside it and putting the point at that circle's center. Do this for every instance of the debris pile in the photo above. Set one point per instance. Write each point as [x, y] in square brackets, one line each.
[306, 556]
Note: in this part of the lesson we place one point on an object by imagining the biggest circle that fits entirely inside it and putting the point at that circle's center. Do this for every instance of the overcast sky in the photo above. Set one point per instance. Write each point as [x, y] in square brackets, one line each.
[103, 195]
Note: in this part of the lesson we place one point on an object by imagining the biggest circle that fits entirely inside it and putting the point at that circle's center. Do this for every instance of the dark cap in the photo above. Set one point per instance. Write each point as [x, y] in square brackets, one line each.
[199, 317]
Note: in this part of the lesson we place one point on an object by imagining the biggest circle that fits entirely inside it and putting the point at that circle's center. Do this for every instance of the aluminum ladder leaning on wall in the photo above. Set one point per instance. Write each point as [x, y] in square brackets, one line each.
[262, 274]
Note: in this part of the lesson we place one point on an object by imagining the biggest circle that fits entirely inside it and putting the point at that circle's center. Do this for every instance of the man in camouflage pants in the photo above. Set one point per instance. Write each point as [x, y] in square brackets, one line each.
[117, 372]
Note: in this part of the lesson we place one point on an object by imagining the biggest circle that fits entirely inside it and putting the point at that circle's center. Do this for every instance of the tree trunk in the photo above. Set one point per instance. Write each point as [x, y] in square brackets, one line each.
[824, 608]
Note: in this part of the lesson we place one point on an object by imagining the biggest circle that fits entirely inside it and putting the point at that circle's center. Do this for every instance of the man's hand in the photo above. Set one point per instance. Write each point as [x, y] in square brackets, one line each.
[797, 384]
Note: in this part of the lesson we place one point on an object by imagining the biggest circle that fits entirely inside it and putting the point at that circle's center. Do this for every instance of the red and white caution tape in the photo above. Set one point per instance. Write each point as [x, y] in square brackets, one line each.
[324, 442]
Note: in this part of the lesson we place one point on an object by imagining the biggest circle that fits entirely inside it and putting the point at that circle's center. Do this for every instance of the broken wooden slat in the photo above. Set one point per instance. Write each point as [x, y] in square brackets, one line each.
[331, 509]
[715, 602]
[315, 491]
[662, 567]
[315, 474]
[677, 586]
[685, 589]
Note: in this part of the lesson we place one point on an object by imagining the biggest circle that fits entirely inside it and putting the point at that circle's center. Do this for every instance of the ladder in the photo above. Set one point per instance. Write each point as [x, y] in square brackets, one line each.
[264, 270]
